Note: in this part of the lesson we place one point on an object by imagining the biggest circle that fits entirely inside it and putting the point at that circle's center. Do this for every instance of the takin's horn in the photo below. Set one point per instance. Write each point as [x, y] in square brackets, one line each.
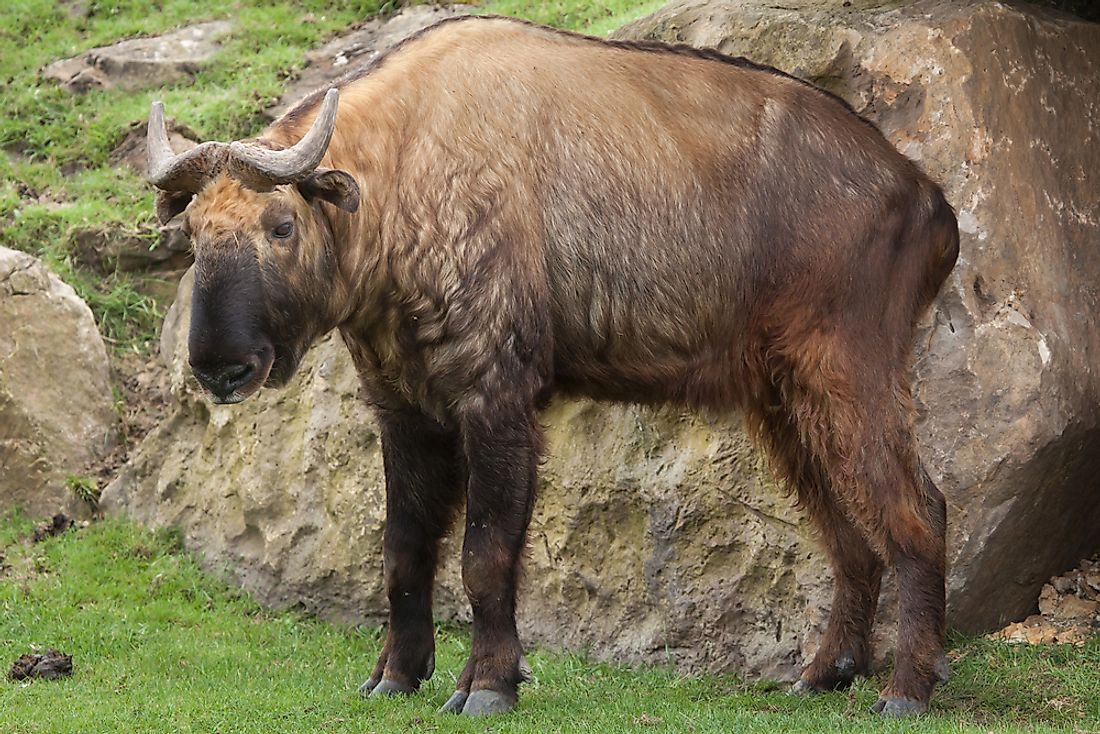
[258, 165]
[187, 171]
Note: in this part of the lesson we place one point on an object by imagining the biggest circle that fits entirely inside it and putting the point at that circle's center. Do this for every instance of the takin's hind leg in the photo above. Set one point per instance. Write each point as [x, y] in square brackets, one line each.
[845, 649]
[859, 429]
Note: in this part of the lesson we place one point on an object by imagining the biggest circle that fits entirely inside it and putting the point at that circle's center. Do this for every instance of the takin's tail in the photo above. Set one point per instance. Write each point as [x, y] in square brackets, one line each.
[940, 240]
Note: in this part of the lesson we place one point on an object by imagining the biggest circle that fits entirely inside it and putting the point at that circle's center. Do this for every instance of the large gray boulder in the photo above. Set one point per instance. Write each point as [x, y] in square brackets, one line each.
[658, 535]
[57, 417]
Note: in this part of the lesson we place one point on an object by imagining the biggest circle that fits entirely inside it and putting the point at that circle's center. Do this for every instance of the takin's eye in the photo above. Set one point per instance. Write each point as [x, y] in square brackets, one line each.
[283, 231]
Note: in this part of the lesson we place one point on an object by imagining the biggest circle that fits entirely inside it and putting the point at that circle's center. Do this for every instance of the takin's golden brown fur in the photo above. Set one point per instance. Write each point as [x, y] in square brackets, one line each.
[504, 211]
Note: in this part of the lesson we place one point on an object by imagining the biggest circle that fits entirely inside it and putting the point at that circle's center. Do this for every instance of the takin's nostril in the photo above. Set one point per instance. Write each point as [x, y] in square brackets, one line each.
[236, 371]
[225, 379]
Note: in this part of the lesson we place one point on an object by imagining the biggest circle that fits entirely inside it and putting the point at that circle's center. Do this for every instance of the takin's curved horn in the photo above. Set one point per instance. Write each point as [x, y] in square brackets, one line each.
[259, 164]
[187, 171]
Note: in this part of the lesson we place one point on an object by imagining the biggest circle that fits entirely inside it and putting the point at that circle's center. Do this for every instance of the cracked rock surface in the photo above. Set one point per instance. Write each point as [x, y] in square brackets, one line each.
[56, 410]
[658, 535]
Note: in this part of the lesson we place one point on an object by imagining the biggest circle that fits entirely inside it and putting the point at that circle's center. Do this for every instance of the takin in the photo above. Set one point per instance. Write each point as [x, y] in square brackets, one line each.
[494, 212]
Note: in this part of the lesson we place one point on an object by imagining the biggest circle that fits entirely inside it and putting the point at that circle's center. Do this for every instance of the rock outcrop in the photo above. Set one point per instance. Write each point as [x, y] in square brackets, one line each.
[56, 410]
[140, 63]
[658, 535]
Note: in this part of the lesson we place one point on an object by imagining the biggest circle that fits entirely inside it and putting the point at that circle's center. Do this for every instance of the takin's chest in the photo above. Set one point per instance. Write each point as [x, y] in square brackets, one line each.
[409, 360]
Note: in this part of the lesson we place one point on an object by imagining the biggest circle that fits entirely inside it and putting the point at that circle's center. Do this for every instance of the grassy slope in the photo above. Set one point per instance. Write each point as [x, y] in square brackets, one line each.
[160, 646]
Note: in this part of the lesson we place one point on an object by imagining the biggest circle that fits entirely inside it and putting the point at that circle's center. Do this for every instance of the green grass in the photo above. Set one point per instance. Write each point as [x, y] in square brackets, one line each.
[160, 646]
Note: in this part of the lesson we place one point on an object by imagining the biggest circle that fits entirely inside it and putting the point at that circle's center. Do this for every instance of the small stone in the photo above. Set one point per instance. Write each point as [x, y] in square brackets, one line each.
[1063, 584]
[1071, 636]
[1048, 600]
[1072, 607]
[1039, 635]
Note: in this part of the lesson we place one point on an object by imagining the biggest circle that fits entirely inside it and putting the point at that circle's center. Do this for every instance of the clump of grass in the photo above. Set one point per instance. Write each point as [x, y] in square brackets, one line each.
[85, 488]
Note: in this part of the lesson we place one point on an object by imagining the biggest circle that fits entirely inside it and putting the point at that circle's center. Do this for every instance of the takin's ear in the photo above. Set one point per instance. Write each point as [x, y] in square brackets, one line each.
[336, 187]
[171, 203]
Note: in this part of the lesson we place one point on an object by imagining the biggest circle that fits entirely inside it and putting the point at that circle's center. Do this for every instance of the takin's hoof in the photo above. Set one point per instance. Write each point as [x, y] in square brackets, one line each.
[385, 687]
[842, 675]
[896, 708]
[368, 685]
[486, 703]
[803, 688]
[454, 703]
[942, 670]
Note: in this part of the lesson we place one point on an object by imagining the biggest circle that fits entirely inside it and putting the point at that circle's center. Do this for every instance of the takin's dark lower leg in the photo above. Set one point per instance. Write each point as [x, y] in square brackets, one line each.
[502, 457]
[917, 549]
[845, 648]
[423, 490]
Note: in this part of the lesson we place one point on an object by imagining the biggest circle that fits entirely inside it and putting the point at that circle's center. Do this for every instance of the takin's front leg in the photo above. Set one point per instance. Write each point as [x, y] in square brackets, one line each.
[423, 490]
[501, 448]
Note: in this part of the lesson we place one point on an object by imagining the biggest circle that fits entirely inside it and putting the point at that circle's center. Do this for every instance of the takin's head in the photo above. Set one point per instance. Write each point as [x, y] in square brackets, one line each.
[264, 259]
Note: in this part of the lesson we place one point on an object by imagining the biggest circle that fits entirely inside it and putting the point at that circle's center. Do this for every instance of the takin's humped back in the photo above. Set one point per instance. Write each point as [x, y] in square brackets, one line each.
[494, 212]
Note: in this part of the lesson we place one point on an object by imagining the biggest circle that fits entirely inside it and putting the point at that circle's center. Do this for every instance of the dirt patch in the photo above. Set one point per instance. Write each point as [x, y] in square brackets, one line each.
[1069, 610]
[48, 666]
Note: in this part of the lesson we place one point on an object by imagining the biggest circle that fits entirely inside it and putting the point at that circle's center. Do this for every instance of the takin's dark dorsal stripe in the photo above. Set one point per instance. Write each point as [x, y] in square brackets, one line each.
[496, 212]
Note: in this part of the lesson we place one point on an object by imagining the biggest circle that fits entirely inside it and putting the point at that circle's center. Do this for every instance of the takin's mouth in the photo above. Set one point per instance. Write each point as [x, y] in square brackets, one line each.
[281, 369]
[263, 364]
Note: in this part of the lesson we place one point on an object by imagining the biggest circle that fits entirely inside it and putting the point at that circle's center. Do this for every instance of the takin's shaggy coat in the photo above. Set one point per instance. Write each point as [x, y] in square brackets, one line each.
[505, 211]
